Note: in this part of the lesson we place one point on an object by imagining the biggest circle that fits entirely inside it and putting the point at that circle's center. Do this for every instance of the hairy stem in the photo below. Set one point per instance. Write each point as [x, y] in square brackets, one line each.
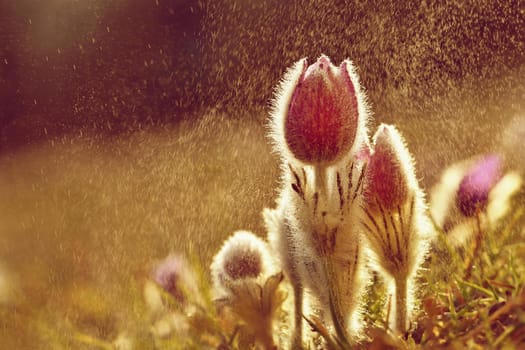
[321, 180]
[297, 341]
[401, 305]
[339, 318]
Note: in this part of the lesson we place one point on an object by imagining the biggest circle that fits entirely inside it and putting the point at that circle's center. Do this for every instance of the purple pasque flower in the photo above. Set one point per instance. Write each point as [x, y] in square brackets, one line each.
[474, 189]
[396, 226]
[387, 183]
[321, 122]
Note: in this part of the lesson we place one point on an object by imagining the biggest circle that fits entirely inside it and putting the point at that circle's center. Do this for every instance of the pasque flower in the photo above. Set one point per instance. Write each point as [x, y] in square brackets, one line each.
[319, 128]
[473, 194]
[395, 221]
[169, 274]
[472, 197]
[319, 112]
[246, 280]
[171, 280]
[243, 256]
[321, 122]
[474, 188]
[170, 292]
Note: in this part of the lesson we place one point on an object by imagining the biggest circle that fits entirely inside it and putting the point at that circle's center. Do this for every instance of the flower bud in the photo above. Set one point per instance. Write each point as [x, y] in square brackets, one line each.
[386, 178]
[244, 283]
[395, 223]
[474, 189]
[243, 256]
[243, 264]
[319, 112]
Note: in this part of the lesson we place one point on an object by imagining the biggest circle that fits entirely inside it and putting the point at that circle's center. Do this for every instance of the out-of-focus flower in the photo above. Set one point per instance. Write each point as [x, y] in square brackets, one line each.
[246, 281]
[319, 112]
[471, 190]
[395, 222]
[171, 276]
[474, 188]
[243, 256]
[168, 274]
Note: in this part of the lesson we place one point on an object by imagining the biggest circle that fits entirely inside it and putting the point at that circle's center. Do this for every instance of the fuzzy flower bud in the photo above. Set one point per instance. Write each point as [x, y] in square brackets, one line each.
[319, 112]
[243, 256]
[319, 127]
[387, 183]
[322, 119]
[395, 222]
[474, 189]
[245, 281]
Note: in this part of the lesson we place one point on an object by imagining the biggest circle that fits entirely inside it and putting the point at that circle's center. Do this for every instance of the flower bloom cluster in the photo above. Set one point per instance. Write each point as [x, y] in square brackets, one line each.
[347, 206]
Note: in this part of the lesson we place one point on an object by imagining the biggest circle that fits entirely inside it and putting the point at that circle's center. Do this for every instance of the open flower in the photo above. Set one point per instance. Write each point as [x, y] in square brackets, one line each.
[395, 221]
[319, 112]
[472, 190]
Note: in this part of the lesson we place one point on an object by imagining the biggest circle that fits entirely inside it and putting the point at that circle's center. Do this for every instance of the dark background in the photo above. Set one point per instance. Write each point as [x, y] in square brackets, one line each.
[112, 66]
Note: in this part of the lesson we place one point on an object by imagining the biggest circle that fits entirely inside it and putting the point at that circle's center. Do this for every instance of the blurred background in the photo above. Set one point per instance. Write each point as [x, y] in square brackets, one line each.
[130, 129]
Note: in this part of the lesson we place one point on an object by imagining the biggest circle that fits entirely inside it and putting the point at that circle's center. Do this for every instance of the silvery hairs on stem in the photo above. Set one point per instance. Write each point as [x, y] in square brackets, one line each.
[395, 221]
[319, 128]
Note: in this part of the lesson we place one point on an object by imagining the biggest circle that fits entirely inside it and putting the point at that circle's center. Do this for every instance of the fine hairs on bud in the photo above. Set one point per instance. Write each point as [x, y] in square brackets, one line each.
[246, 281]
[319, 128]
[395, 222]
[242, 256]
[285, 248]
[319, 113]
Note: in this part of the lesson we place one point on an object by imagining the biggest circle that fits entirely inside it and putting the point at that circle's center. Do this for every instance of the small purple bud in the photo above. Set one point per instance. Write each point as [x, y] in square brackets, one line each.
[322, 118]
[168, 274]
[474, 189]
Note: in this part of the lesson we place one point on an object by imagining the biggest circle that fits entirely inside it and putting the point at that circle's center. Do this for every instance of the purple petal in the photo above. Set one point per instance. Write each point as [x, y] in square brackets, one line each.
[474, 189]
